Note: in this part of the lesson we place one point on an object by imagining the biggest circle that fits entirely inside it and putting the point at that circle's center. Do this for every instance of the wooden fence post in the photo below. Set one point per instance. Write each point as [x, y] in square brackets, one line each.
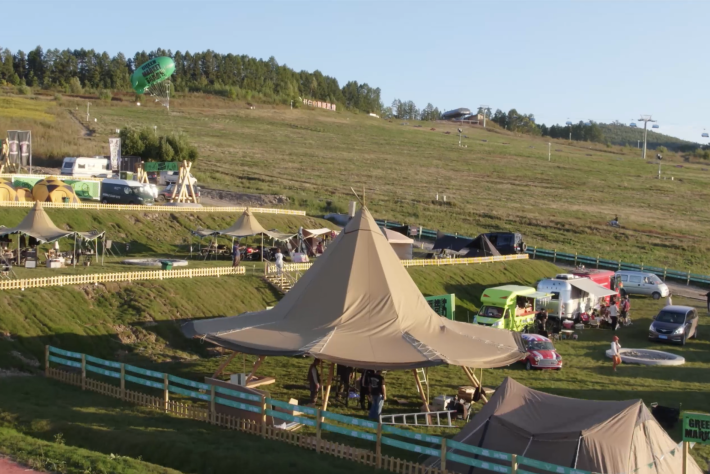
[318, 430]
[263, 416]
[575, 259]
[534, 252]
[597, 261]
[213, 411]
[513, 464]
[554, 257]
[166, 392]
[83, 372]
[664, 273]
[123, 381]
[641, 266]
[443, 454]
[687, 283]
[618, 267]
[378, 448]
[46, 360]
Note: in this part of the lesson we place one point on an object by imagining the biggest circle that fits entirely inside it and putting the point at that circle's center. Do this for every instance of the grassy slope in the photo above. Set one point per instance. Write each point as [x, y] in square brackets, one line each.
[96, 319]
[56, 456]
[499, 181]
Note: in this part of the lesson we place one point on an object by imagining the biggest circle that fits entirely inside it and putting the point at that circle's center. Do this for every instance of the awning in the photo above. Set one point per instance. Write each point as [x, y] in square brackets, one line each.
[308, 233]
[587, 285]
[538, 295]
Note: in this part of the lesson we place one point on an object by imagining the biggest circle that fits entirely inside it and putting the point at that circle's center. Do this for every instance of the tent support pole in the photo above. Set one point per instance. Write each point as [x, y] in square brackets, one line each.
[421, 390]
[475, 382]
[327, 388]
[262, 247]
[224, 364]
[74, 259]
[19, 236]
[254, 369]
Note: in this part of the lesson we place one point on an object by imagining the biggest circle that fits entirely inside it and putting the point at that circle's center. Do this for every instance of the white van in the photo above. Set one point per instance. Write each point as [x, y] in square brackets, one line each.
[86, 167]
[167, 177]
[641, 283]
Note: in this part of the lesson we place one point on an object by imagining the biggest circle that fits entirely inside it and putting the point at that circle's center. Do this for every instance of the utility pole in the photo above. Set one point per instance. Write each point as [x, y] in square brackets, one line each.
[484, 107]
[88, 104]
[638, 143]
[549, 151]
[645, 119]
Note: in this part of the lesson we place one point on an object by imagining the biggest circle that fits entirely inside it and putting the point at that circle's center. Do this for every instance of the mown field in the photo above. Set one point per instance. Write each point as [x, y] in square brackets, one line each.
[139, 323]
[498, 181]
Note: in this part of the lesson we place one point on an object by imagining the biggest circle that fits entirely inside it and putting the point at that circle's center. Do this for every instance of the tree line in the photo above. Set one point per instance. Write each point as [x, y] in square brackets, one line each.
[230, 75]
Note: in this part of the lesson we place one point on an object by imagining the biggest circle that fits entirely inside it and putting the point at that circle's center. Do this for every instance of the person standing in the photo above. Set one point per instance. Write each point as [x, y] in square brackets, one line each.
[625, 310]
[236, 256]
[614, 314]
[378, 394]
[615, 352]
[365, 389]
[279, 261]
[314, 380]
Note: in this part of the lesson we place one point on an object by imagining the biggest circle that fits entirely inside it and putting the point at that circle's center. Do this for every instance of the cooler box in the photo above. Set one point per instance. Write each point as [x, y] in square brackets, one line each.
[439, 403]
[166, 265]
[466, 393]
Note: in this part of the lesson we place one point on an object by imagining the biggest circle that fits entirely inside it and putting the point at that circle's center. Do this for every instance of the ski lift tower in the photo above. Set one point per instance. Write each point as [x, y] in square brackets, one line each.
[645, 119]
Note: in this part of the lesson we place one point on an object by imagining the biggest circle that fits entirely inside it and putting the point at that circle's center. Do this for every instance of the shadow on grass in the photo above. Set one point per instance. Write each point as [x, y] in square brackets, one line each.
[44, 408]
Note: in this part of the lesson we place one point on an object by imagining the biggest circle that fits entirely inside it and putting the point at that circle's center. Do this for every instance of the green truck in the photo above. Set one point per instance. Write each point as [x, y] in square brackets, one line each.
[510, 307]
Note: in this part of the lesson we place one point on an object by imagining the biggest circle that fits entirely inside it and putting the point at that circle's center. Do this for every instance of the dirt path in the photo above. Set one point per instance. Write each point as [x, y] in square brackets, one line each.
[85, 131]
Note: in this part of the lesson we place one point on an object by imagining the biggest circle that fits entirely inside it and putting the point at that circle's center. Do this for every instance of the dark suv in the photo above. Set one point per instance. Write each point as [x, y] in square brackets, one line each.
[674, 324]
[507, 243]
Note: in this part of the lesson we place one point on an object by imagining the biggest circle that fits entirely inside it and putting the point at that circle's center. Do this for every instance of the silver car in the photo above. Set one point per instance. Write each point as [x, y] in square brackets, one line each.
[641, 283]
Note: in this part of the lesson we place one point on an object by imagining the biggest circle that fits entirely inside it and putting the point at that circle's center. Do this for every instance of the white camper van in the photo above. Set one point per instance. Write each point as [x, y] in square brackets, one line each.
[86, 167]
[572, 295]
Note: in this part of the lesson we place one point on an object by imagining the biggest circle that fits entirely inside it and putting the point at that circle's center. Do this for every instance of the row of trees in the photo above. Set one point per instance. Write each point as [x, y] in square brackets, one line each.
[227, 74]
[583, 132]
[146, 144]
[407, 110]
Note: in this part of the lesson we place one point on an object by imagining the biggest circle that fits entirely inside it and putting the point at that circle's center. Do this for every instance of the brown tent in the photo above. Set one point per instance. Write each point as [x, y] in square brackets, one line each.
[247, 226]
[358, 306]
[481, 247]
[616, 437]
[401, 244]
[37, 224]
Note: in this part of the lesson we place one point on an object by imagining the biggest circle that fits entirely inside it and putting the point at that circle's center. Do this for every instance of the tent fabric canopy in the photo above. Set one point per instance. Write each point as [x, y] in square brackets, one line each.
[246, 226]
[358, 306]
[37, 224]
[308, 233]
[395, 237]
[481, 246]
[615, 437]
[588, 286]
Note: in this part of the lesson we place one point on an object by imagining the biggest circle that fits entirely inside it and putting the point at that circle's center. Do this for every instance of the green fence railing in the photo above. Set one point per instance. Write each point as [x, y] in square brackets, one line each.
[616, 265]
[368, 430]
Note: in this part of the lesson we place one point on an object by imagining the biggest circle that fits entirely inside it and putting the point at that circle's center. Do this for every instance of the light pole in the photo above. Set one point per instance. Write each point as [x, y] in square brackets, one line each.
[645, 119]
[88, 104]
[659, 164]
[484, 108]
[549, 151]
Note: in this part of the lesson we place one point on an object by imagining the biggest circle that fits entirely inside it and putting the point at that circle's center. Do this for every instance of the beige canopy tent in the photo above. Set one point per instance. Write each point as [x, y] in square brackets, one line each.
[358, 306]
[247, 226]
[38, 225]
[616, 437]
[401, 244]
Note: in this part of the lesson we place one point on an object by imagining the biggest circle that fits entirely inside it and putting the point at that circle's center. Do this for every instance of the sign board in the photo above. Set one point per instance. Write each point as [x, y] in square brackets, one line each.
[20, 147]
[114, 146]
[696, 428]
[443, 305]
[161, 166]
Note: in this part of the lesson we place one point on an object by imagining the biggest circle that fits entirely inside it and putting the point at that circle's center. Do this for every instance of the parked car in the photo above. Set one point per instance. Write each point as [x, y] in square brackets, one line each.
[507, 243]
[674, 324]
[167, 193]
[123, 191]
[641, 283]
[541, 353]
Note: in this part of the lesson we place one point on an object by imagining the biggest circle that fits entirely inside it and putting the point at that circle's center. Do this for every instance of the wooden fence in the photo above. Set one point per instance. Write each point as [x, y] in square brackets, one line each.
[95, 278]
[207, 398]
[430, 262]
[154, 208]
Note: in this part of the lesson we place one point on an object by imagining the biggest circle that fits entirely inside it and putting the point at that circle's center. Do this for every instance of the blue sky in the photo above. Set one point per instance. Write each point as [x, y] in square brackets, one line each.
[580, 60]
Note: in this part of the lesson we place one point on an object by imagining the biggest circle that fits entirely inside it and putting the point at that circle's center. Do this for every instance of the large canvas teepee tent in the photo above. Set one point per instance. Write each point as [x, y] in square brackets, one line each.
[358, 306]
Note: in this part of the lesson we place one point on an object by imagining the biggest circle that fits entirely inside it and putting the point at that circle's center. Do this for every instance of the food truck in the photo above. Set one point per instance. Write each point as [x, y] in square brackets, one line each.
[510, 307]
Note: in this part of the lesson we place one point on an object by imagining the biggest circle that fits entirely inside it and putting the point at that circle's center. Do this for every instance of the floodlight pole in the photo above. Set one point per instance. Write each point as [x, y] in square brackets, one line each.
[645, 119]
[484, 107]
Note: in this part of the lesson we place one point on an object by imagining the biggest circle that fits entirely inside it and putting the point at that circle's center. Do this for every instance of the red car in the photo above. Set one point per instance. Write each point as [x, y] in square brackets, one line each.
[541, 353]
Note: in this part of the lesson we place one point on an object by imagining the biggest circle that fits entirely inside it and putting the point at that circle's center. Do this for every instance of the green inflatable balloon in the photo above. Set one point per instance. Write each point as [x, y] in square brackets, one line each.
[152, 72]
